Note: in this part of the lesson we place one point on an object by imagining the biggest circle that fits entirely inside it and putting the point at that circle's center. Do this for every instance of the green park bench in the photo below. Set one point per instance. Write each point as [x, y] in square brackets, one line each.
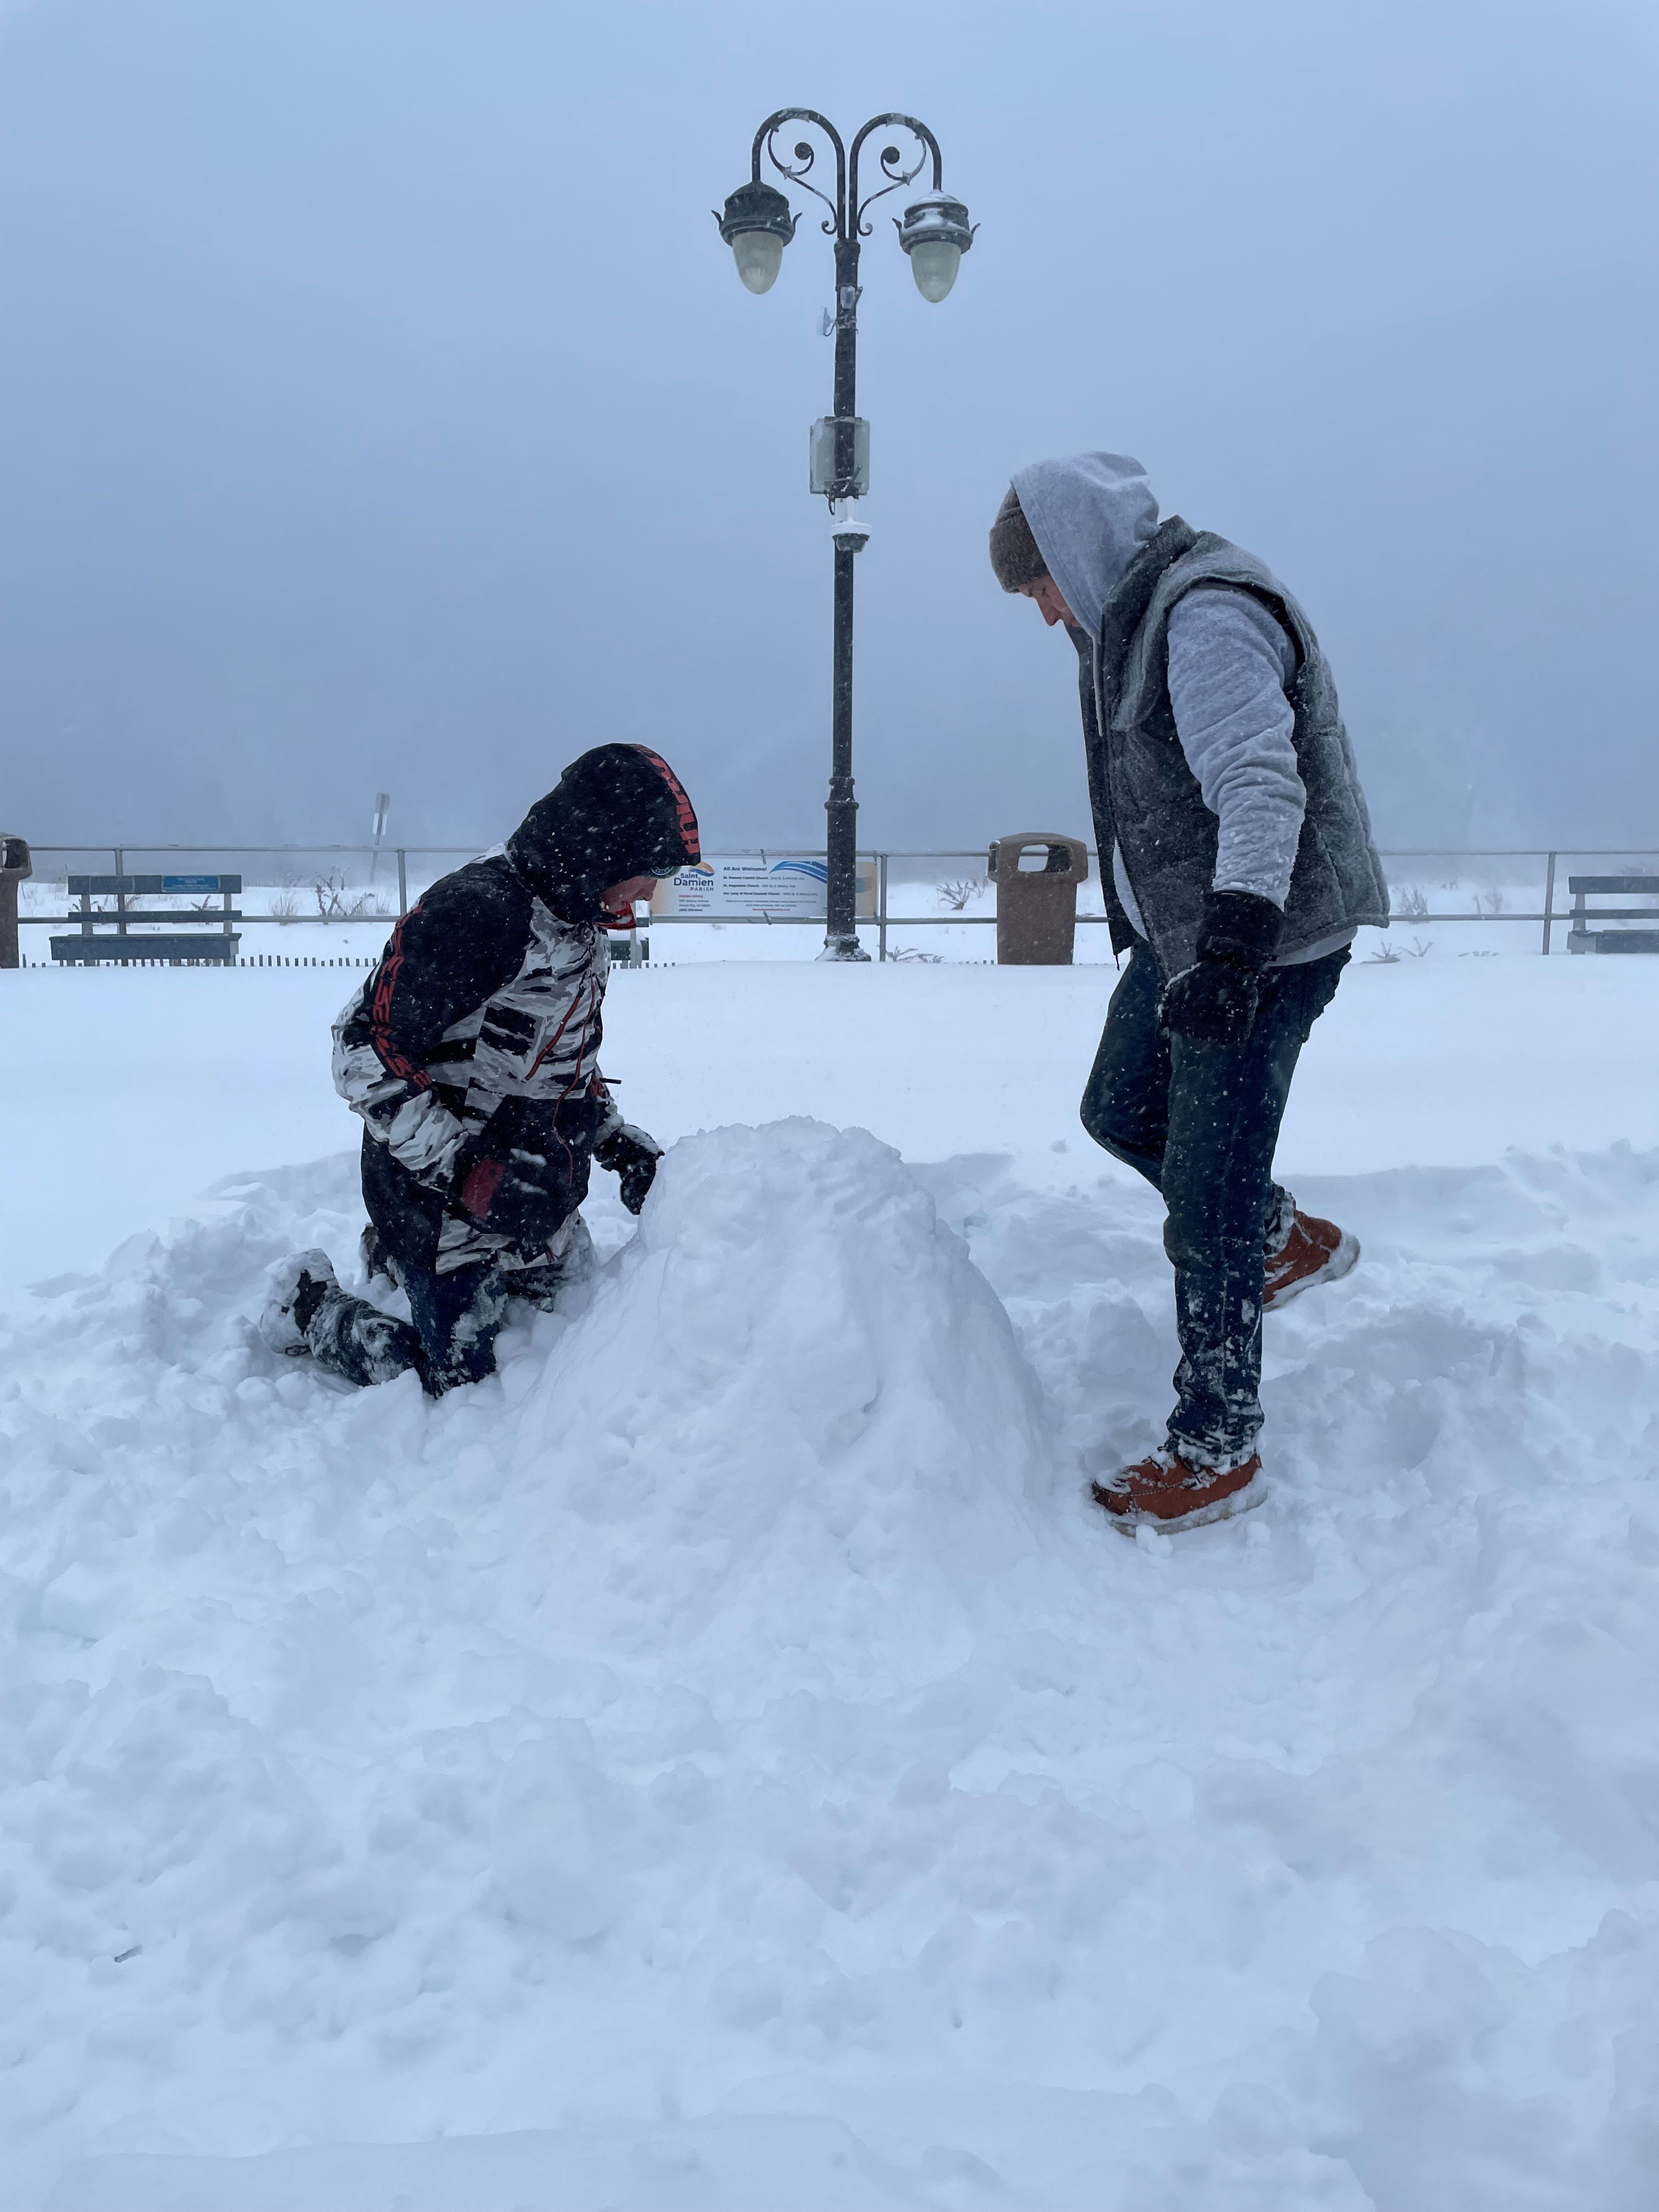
[1581, 938]
[212, 940]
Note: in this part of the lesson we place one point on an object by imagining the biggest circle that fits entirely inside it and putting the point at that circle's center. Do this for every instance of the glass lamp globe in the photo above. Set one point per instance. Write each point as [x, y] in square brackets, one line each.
[936, 233]
[756, 224]
[934, 264]
[759, 256]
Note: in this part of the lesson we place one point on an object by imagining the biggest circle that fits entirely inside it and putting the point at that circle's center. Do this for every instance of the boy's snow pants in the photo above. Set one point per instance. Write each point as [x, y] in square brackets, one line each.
[456, 1316]
[1200, 1122]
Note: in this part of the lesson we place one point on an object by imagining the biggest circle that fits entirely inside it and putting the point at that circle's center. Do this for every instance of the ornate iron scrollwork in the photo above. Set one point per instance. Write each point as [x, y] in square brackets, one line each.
[847, 211]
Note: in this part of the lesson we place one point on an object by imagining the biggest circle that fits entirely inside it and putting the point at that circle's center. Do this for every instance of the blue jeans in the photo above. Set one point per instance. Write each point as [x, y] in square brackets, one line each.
[1200, 1122]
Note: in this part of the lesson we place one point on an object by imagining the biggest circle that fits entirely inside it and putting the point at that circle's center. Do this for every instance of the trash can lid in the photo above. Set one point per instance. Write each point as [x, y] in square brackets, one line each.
[1066, 858]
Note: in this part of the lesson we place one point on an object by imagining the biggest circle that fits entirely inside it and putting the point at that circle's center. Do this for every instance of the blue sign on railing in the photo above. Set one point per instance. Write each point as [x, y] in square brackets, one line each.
[793, 886]
[147, 886]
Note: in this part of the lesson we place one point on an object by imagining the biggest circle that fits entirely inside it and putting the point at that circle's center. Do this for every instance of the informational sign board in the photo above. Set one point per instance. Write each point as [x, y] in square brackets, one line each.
[782, 888]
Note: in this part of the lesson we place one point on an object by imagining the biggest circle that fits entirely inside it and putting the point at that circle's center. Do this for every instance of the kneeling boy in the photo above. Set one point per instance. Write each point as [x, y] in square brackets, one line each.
[471, 1053]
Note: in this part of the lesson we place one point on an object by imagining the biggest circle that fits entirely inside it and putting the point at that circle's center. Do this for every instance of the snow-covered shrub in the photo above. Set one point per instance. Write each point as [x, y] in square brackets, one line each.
[336, 902]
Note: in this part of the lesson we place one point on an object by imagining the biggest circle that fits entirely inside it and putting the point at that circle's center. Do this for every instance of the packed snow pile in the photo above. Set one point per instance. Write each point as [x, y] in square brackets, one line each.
[794, 1430]
[722, 1762]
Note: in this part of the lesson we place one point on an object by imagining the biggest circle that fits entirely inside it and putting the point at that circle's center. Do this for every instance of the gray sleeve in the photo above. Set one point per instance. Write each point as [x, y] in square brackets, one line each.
[1231, 667]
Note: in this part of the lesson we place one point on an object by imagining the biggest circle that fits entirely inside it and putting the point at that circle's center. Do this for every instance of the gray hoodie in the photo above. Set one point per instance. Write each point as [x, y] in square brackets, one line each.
[1231, 669]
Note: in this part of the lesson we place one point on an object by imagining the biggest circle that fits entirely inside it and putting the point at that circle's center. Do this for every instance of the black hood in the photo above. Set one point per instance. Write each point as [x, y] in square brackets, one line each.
[619, 812]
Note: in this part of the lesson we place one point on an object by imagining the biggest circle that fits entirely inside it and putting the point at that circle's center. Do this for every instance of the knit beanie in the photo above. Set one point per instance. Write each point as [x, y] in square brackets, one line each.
[1014, 555]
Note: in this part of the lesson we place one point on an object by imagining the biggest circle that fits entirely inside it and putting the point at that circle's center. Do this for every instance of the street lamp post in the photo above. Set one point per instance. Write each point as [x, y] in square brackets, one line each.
[758, 223]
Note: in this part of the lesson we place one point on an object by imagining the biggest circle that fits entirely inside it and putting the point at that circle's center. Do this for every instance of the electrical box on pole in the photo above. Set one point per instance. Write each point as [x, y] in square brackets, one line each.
[826, 476]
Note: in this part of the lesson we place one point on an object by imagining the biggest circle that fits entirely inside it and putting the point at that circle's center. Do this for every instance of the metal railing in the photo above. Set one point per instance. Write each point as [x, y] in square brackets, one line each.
[883, 921]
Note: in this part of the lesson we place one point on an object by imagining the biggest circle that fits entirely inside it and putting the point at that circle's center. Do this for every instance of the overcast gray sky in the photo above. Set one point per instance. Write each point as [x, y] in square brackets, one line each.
[381, 409]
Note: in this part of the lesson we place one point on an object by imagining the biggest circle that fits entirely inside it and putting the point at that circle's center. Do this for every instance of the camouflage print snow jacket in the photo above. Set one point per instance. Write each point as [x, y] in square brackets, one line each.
[482, 996]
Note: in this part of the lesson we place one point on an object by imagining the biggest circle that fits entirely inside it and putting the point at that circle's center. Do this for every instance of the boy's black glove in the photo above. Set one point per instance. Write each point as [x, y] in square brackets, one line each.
[632, 1155]
[1214, 1000]
[523, 1197]
[515, 1177]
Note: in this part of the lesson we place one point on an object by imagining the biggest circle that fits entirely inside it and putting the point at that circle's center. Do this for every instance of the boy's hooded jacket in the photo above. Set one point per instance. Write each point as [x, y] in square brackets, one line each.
[1095, 521]
[489, 989]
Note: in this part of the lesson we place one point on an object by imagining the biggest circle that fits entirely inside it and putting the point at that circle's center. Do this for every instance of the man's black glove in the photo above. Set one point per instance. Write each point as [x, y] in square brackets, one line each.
[630, 1154]
[515, 1178]
[1214, 1000]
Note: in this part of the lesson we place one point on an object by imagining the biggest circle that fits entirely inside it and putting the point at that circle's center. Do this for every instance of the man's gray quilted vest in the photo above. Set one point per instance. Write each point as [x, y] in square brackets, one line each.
[1146, 798]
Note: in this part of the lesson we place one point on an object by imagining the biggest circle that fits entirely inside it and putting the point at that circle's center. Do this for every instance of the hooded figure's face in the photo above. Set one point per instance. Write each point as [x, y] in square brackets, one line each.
[618, 900]
[1089, 514]
[618, 812]
[1044, 595]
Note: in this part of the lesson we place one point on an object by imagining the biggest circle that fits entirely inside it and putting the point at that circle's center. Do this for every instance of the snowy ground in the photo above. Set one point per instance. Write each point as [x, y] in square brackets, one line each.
[721, 1763]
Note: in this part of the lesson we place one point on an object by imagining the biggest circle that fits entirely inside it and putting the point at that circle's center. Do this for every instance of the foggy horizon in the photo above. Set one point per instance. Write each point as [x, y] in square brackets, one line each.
[383, 412]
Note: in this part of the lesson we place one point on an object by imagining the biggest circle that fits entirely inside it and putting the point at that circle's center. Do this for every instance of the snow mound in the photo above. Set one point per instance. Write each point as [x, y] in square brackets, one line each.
[794, 1419]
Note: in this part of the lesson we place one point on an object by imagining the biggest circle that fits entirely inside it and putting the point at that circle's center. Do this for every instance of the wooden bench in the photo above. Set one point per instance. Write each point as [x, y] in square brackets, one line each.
[1581, 938]
[213, 940]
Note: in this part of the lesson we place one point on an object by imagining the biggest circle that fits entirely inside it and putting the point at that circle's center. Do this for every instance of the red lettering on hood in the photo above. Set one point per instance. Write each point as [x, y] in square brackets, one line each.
[683, 807]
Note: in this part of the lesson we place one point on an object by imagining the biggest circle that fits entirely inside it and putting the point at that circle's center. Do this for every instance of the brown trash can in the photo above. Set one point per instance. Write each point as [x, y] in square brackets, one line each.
[1036, 873]
[15, 866]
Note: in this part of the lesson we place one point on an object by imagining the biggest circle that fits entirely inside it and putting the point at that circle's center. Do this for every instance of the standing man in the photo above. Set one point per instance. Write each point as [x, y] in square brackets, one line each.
[1237, 863]
[472, 1056]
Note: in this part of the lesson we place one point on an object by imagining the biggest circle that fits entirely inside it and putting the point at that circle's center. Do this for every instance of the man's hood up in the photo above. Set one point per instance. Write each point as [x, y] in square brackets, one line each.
[1091, 514]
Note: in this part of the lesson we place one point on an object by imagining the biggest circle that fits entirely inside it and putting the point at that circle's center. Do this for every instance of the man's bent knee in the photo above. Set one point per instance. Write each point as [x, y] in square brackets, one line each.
[1115, 1133]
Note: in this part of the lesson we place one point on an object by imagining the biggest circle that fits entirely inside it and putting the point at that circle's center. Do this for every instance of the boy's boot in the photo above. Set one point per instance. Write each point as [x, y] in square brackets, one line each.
[298, 1287]
[308, 1312]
